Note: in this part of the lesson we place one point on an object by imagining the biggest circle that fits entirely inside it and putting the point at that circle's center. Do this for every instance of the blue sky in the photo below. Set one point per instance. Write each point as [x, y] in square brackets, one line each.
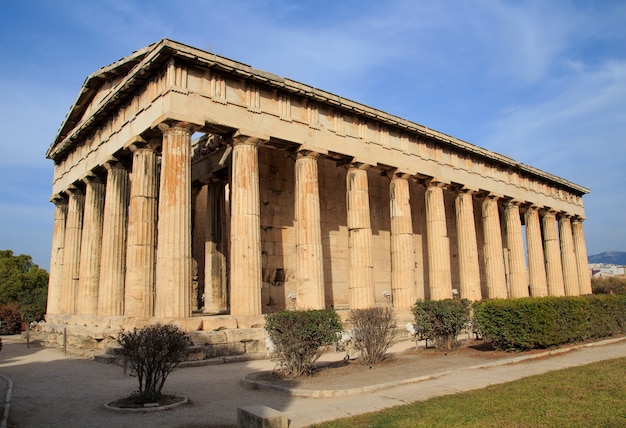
[543, 82]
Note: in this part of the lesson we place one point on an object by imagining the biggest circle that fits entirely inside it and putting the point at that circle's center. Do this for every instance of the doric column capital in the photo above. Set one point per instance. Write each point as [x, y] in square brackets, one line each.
[58, 199]
[307, 154]
[359, 165]
[247, 137]
[141, 144]
[399, 176]
[434, 182]
[172, 126]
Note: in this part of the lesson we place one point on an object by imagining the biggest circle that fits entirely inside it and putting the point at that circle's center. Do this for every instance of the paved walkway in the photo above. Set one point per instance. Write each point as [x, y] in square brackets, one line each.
[52, 390]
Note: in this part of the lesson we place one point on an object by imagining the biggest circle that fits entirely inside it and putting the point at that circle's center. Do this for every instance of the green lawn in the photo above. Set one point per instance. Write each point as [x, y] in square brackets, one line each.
[588, 396]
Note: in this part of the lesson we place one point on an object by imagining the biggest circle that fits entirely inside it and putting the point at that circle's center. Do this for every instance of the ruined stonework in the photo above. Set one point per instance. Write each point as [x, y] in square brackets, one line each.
[193, 189]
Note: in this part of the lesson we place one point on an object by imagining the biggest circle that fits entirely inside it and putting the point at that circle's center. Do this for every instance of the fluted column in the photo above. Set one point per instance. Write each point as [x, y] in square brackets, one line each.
[90, 247]
[71, 259]
[582, 263]
[310, 268]
[245, 230]
[402, 246]
[55, 279]
[113, 257]
[536, 261]
[173, 268]
[554, 270]
[215, 292]
[568, 257]
[518, 274]
[361, 281]
[469, 268]
[494, 256]
[141, 245]
[439, 273]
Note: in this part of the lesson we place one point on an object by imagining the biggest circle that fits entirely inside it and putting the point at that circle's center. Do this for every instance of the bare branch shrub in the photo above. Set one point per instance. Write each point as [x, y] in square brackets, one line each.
[153, 352]
[373, 332]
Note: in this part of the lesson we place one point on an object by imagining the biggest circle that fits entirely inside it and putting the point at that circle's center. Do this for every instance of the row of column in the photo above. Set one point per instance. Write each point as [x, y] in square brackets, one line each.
[506, 275]
[105, 259]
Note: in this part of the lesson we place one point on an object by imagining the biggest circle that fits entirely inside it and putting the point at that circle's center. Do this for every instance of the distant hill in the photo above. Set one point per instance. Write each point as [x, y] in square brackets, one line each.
[609, 257]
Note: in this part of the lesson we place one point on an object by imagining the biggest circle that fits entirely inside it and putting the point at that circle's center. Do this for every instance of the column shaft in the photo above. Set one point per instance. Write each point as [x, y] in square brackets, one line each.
[469, 268]
[215, 292]
[310, 270]
[536, 261]
[245, 248]
[402, 247]
[568, 257]
[439, 273]
[90, 248]
[141, 245]
[113, 261]
[361, 281]
[582, 263]
[518, 274]
[55, 280]
[173, 268]
[71, 260]
[494, 256]
[554, 270]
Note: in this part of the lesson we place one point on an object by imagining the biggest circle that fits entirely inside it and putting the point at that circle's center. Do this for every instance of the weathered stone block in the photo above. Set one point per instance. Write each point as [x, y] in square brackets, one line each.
[219, 322]
[259, 416]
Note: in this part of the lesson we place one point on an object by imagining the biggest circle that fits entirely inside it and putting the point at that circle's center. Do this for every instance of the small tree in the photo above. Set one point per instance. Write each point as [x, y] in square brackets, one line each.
[11, 318]
[441, 321]
[153, 352]
[298, 335]
[373, 332]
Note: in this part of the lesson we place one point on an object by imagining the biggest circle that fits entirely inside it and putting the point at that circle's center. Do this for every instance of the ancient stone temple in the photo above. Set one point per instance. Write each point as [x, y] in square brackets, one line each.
[194, 189]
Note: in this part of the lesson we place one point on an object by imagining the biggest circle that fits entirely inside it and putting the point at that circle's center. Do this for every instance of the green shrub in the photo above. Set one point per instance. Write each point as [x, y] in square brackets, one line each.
[32, 312]
[541, 322]
[153, 352]
[441, 321]
[11, 318]
[373, 331]
[298, 335]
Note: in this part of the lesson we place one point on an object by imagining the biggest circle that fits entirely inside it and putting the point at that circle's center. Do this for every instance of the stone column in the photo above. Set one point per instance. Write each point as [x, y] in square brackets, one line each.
[554, 270]
[494, 256]
[439, 272]
[215, 292]
[402, 246]
[173, 267]
[469, 268]
[90, 247]
[55, 280]
[518, 274]
[141, 241]
[568, 257]
[113, 258]
[310, 268]
[361, 281]
[71, 259]
[582, 263]
[245, 229]
[536, 261]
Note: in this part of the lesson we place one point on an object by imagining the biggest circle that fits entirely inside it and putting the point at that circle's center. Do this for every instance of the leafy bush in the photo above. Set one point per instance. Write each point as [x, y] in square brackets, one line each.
[32, 312]
[541, 322]
[11, 318]
[153, 352]
[298, 335]
[373, 332]
[608, 285]
[441, 321]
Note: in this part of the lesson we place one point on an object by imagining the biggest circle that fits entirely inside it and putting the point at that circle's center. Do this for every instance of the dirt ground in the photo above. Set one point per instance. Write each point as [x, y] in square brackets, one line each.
[401, 365]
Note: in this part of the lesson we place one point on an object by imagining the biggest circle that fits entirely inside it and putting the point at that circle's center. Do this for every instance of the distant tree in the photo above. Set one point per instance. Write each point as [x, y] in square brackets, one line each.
[23, 282]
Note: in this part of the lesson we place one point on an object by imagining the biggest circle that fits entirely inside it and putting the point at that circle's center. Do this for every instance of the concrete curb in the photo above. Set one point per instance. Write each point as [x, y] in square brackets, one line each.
[328, 393]
[147, 409]
[7, 401]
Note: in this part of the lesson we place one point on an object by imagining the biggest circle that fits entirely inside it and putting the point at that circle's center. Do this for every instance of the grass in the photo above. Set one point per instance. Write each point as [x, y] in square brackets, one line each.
[593, 395]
